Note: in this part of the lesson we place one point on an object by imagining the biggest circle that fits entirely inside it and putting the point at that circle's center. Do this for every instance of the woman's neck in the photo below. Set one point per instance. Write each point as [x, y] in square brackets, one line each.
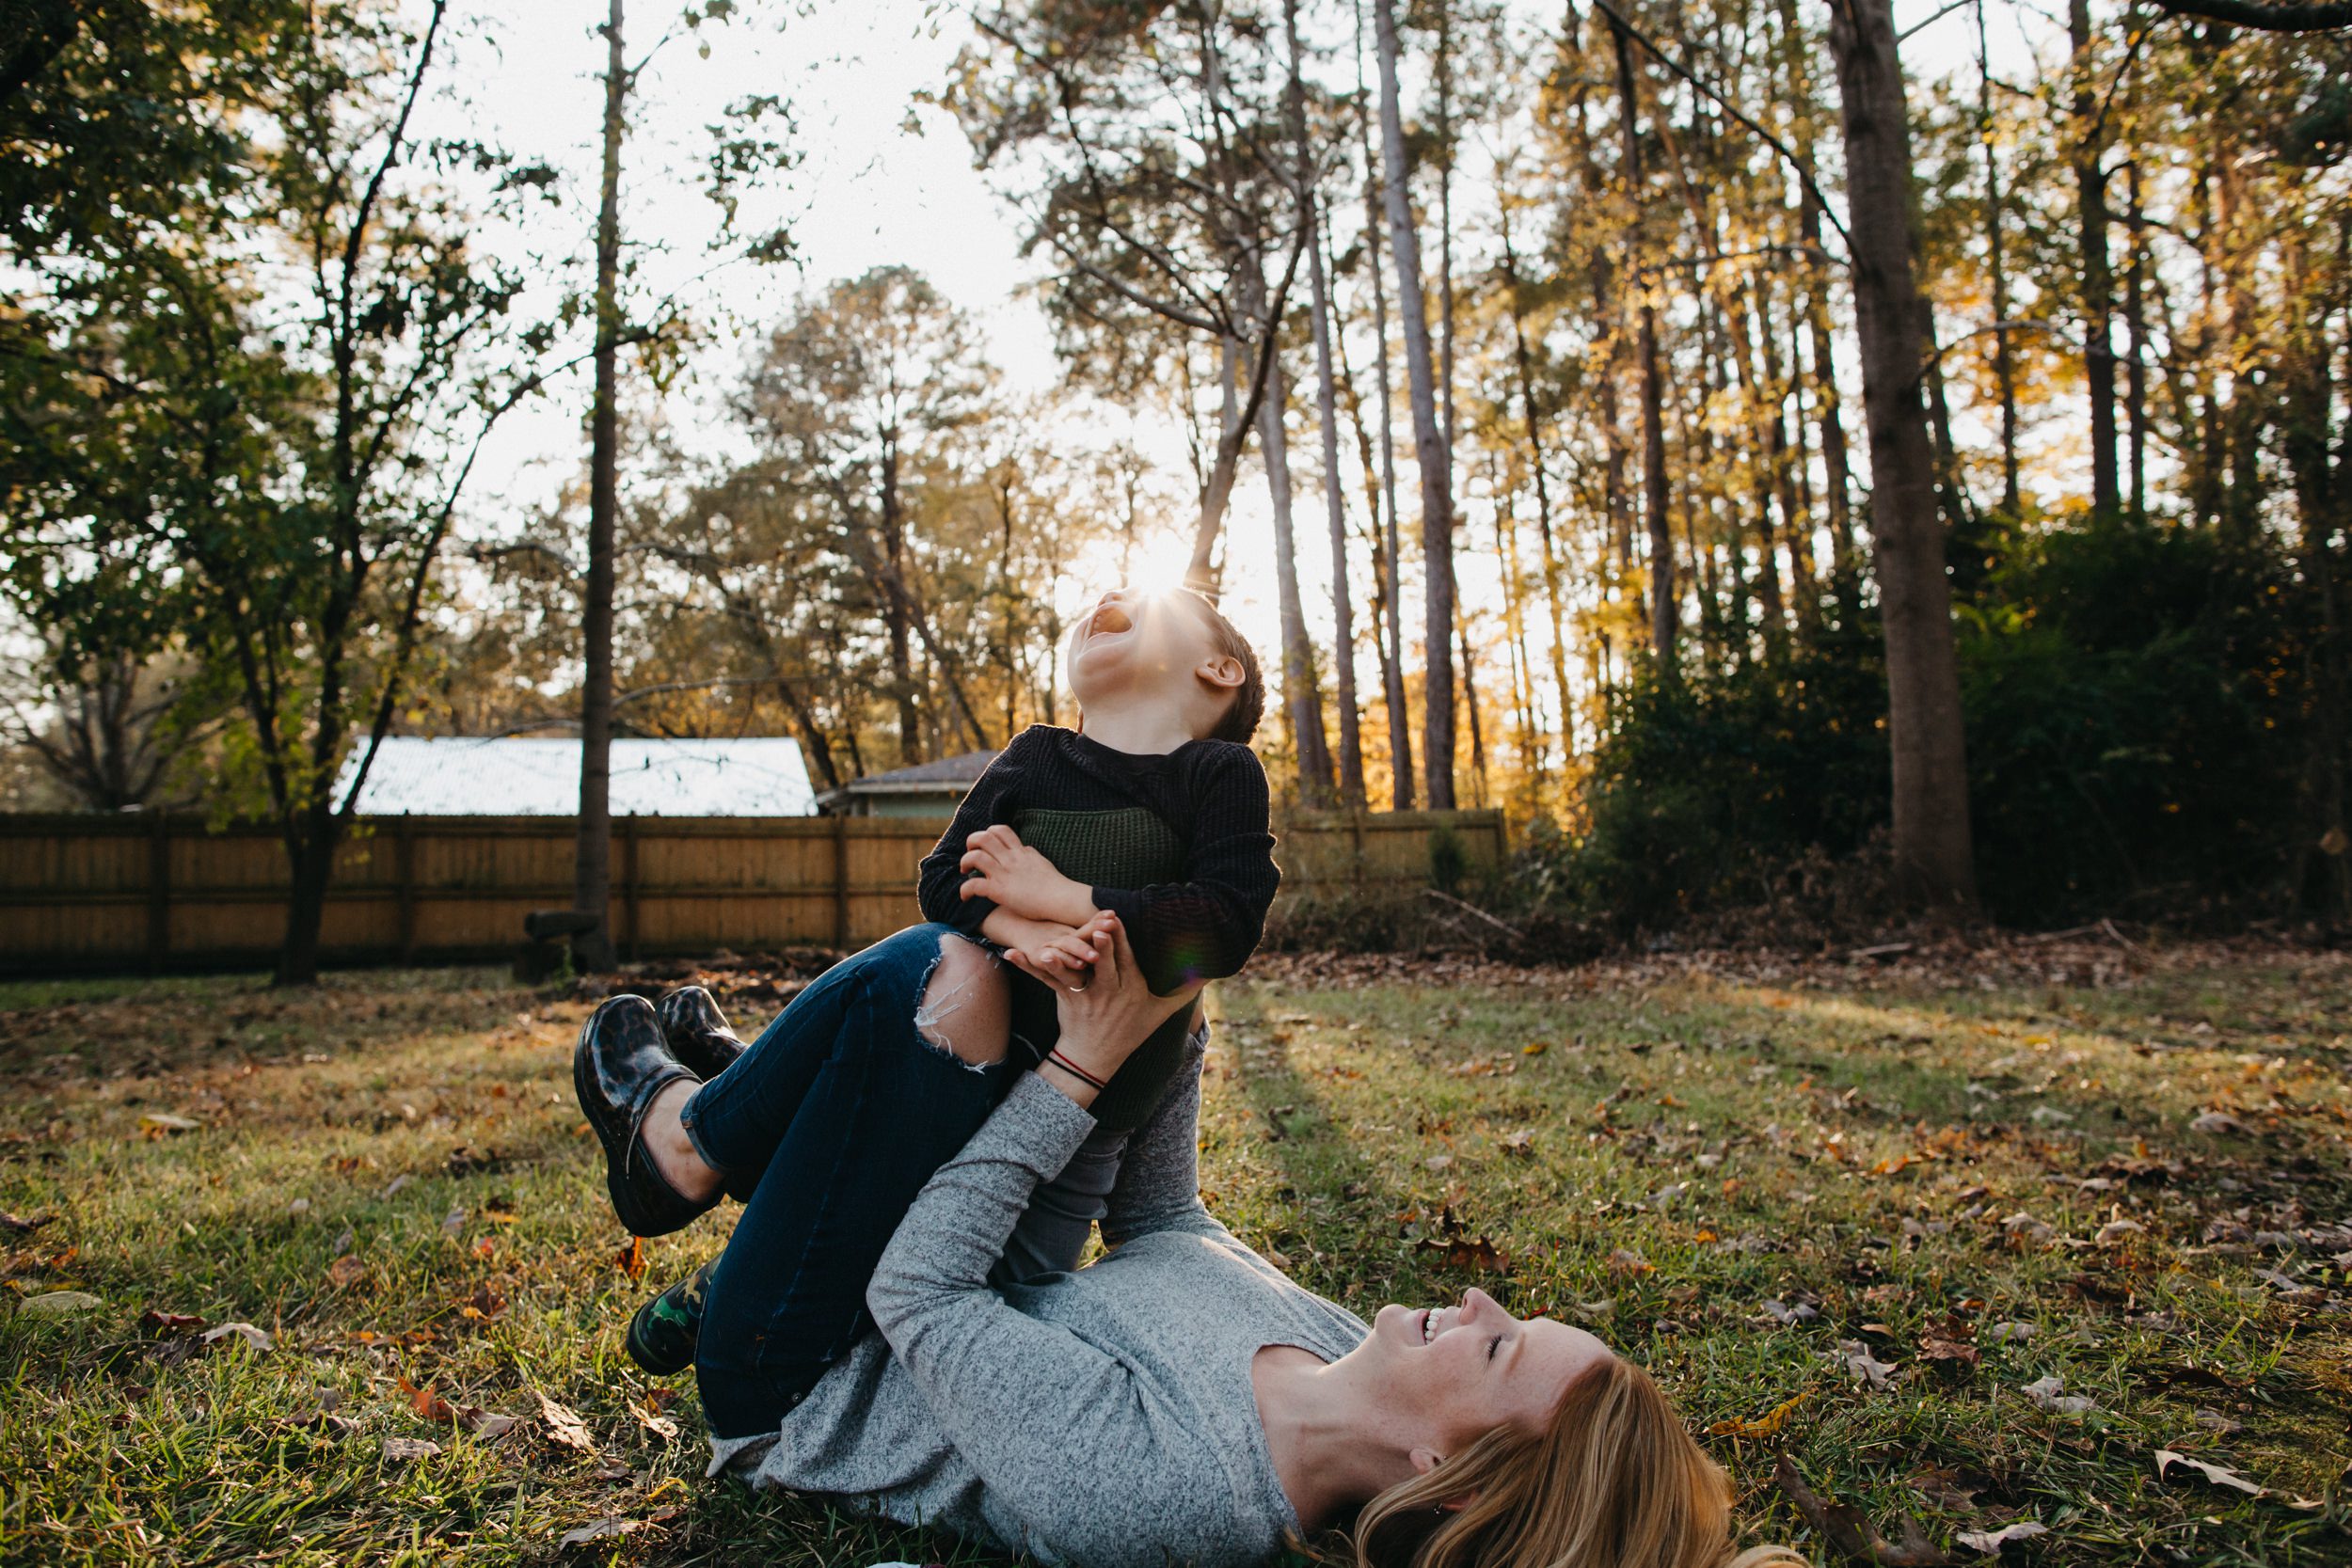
[1329, 1452]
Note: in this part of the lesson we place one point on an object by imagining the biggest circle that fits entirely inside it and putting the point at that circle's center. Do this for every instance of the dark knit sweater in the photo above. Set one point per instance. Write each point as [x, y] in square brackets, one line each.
[1176, 844]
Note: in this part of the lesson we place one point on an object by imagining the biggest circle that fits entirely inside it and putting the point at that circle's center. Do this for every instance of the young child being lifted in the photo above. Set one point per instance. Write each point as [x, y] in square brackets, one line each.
[1152, 815]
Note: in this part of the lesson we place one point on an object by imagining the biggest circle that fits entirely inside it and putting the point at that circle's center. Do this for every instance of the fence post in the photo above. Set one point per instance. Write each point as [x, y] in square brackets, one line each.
[404, 869]
[629, 881]
[158, 892]
[841, 881]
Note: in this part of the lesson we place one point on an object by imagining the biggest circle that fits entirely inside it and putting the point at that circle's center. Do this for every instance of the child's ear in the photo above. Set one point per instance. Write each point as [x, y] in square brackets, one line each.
[1222, 671]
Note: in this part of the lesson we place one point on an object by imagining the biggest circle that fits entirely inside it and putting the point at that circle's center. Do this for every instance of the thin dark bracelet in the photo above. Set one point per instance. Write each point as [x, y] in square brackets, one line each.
[1074, 1071]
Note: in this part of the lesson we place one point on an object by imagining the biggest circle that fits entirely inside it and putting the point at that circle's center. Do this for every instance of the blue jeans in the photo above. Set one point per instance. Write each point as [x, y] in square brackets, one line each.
[825, 1129]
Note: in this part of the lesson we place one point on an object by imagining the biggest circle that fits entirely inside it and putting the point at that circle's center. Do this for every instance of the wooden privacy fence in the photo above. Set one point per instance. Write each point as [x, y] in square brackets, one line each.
[136, 892]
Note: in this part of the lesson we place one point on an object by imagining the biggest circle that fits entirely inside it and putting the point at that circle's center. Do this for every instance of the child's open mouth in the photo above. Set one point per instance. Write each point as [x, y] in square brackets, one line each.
[1109, 618]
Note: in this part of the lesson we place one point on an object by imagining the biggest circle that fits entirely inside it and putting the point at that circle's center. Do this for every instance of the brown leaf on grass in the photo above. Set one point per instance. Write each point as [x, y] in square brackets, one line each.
[1461, 1252]
[1990, 1541]
[158, 1322]
[630, 1259]
[1847, 1529]
[2215, 1123]
[1629, 1262]
[2218, 1474]
[613, 1526]
[402, 1451]
[1765, 1425]
[484, 1305]
[1949, 1488]
[25, 1225]
[564, 1428]
[658, 1426]
[1534, 1048]
[156, 1124]
[254, 1338]
[426, 1402]
[345, 1272]
[1521, 1142]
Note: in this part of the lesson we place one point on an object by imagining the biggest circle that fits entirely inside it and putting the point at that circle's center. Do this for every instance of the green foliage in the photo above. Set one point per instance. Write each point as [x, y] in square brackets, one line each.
[2133, 697]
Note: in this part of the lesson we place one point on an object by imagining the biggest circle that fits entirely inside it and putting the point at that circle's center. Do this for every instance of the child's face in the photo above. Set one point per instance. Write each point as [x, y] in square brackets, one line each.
[1133, 644]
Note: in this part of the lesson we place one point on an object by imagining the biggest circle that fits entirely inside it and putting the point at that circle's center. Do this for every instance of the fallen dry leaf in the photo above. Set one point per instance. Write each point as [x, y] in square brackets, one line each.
[24, 1224]
[1991, 1541]
[1623, 1261]
[564, 1428]
[631, 1259]
[1765, 1425]
[1853, 1357]
[158, 1322]
[402, 1451]
[259, 1340]
[59, 1304]
[157, 1123]
[2046, 1393]
[2216, 1122]
[345, 1272]
[2219, 1475]
[1462, 1252]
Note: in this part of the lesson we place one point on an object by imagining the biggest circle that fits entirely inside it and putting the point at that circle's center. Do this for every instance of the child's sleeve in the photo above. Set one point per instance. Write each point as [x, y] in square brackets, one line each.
[987, 802]
[1205, 926]
[1158, 1186]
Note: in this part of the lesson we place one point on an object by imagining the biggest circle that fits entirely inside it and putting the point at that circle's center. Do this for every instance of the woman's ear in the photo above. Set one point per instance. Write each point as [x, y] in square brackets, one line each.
[1222, 672]
[1425, 1460]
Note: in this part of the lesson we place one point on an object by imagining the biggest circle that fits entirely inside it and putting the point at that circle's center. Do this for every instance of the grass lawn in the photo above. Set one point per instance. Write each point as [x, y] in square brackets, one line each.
[1975, 1237]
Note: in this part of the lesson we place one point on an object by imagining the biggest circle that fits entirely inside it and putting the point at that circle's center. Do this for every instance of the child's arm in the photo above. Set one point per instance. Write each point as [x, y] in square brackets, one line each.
[1205, 926]
[941, 883]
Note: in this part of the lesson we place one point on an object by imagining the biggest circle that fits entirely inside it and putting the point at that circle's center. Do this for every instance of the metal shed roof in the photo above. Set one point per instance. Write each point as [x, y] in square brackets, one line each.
[471, 776]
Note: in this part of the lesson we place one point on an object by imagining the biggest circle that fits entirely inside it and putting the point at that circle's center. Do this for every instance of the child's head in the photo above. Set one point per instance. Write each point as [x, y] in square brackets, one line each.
[1134, 648]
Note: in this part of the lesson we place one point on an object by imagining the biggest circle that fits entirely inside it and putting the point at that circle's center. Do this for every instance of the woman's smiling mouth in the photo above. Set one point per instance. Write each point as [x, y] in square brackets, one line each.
[1108, 620]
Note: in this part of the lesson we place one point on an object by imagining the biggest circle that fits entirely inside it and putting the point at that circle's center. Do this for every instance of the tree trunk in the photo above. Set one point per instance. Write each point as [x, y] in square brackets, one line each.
[310, 850]
[1436, 479]
[895, 616]
[592, 871]
[1837, 461]
[1523, 361]
[1401, 789]
[1765, 418]
[1302, 695]
[2136, 344]
[1342, 606]
[2098, 282]
[1327, 428]
[1665, 599]
[1795, 514]
[2004, 371]
[1931, 850]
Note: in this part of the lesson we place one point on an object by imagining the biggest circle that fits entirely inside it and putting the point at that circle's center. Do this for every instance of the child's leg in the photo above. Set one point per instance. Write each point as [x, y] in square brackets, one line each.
[735, 1120]
[917, 1060]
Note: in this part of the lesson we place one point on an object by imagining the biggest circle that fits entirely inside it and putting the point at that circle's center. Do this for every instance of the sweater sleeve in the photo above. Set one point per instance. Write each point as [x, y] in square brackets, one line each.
[1205, 926]
[986, 803]
[1023, 1400]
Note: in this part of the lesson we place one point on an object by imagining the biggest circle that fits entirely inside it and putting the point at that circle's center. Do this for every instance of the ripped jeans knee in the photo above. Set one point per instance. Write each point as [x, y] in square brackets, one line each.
[965, 1009]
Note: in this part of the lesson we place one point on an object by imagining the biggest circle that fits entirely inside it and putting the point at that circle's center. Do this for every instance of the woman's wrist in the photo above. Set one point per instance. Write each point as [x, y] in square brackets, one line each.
[1079, 1086]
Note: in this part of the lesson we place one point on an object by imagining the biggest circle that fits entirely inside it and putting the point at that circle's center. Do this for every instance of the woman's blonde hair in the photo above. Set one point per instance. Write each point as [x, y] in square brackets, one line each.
[1614, 1481]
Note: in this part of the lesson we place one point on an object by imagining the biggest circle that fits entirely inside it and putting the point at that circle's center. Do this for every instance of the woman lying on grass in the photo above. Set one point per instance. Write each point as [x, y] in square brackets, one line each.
[1179, 1401]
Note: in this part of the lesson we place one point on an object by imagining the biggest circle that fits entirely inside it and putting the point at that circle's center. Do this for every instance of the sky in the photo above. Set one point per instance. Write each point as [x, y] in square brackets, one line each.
[883, 178]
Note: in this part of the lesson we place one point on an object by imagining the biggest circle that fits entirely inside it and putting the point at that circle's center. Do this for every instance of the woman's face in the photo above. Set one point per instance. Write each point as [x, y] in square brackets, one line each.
[1469, 1368]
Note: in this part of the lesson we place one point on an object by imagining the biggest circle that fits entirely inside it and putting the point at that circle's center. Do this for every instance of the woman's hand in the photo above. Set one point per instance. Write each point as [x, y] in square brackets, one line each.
[1102, 1024]
[1017, 877]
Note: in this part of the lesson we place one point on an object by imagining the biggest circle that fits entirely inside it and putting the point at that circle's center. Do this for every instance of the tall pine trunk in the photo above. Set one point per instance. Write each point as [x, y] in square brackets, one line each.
[1997, 273]
[1553, 594]
[1436, 479]
[1328, 430]
[1931, 849]
[1302, 695]
[2098, 280]
[592, 870]
[1665, 596]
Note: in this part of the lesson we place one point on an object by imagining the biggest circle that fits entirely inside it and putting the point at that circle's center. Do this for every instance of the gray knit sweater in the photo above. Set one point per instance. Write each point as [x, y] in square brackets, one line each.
[1100, 1419]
